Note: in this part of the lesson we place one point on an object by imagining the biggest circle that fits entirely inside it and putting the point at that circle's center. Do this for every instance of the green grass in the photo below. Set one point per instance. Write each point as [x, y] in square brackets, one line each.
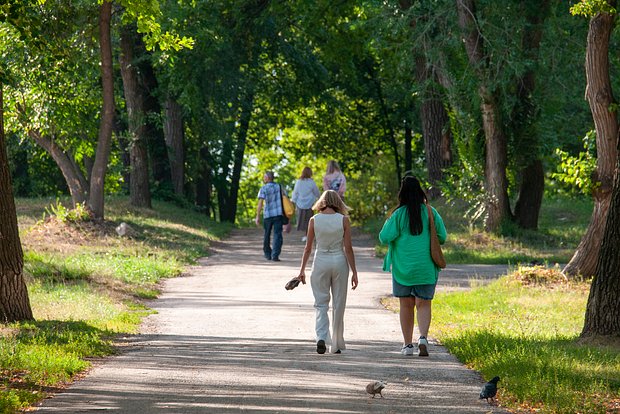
[85, 284]
[527, 333]
[562, 222]
[525, 326]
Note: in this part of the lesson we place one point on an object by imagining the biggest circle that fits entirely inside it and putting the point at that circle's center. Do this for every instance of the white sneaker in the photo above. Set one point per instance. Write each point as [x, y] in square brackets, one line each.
[422, 346]
[303, 239]
[407, 349]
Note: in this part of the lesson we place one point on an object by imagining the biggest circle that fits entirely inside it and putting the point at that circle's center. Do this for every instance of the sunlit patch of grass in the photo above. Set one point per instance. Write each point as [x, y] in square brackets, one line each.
[141, 271]
[47, 353]
[84, 282]
[79, 301]
[524, 327]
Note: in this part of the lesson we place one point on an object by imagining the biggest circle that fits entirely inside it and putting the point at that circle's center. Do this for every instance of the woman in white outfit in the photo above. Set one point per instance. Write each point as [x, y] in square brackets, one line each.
[330, 269]
[304, 195]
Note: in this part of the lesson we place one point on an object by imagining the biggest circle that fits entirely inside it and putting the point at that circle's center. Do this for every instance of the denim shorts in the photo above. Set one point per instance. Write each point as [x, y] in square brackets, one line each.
[426, 292]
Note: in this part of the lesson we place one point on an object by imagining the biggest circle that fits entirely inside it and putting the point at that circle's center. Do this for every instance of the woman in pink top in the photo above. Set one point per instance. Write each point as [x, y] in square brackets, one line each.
[334, 179]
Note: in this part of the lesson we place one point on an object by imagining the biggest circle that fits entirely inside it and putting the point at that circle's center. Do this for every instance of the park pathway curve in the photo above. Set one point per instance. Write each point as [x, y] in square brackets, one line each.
[228, 338]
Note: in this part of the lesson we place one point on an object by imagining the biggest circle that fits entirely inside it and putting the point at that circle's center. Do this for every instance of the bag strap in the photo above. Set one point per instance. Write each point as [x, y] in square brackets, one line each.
[281, 201]
[431, 220]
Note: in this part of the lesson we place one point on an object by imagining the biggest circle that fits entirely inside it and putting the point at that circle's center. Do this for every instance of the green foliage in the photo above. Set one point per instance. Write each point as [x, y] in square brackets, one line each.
[577, 172]
[589, 8]
[69, 215]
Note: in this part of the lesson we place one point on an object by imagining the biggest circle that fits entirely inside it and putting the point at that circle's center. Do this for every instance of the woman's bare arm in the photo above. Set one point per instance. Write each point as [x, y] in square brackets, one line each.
[307, 251]
[348, 251]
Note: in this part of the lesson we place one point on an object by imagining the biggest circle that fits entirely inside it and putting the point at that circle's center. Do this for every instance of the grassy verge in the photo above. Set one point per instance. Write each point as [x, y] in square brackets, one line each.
[86, 284]
[524, 328]
[562, 223]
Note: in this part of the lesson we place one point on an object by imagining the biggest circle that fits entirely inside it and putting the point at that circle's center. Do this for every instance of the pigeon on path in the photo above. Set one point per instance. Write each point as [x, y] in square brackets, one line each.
[489, 390]
[375, 388]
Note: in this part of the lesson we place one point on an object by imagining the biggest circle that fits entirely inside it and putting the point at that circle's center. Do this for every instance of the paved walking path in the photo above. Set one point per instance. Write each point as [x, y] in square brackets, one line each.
[228, 338]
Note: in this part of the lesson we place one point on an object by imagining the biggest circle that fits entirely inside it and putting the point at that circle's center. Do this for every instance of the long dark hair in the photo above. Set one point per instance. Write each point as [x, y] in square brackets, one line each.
[413, 197]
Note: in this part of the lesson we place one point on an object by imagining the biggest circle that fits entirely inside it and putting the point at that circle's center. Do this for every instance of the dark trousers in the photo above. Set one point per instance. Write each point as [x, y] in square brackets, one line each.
[274, 223]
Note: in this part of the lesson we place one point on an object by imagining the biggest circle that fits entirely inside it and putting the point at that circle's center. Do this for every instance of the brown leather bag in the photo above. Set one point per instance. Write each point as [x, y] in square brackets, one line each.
[436, 252]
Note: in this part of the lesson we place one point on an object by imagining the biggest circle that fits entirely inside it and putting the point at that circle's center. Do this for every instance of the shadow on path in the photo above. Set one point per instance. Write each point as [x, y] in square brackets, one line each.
[228, 338]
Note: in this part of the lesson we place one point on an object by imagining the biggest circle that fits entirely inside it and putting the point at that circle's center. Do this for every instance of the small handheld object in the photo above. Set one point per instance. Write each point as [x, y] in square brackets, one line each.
[292, 284]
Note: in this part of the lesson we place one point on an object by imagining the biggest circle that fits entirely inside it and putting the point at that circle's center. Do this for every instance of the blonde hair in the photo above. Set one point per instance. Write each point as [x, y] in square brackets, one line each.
[332, 199]
[306, 173]
[332, 167]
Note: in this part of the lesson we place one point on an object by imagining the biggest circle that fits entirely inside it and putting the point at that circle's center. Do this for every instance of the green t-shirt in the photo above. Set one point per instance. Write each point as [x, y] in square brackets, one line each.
[409, 256]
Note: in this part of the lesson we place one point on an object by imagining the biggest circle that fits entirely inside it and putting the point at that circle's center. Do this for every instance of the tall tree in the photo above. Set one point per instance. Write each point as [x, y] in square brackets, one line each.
[14, 301]
[605, 114]
[435, 122]
[525, 115]
[174, 136]
[603, 308]
[496, 145]
[104, 143]
[139, 191]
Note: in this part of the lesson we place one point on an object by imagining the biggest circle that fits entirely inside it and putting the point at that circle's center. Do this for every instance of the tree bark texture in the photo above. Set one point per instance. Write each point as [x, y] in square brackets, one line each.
[524, 117]
[102, 154]
[77, 183]
[204, 182]
[496, 161]
[14, 301]
[603, 309]
[408, 152]
[496, 158]
[531, 193]
[155, 138]
[174, 135]
[139, 191]
[600, 97]
[435, 127]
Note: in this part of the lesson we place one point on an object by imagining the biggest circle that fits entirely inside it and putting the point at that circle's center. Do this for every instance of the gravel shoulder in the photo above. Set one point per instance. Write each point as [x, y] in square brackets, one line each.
[228, 338]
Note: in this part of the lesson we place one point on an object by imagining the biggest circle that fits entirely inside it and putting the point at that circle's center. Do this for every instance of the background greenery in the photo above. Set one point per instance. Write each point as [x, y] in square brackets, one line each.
[315, 82]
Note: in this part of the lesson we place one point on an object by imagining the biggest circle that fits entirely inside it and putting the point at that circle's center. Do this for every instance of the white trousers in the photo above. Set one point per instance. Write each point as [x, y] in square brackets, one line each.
[330, 274]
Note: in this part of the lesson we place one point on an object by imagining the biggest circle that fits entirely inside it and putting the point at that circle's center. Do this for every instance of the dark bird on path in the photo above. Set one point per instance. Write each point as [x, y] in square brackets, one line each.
[375, 388]
[489, 390]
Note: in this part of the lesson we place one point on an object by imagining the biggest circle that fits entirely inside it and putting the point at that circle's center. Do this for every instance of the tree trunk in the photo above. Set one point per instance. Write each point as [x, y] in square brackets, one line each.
[531, 193]
[139, 191]
[600, 97]
[435, 128]
[603, 309]
[496, 161]
[496, 182]
[155, 138]
[14, 301]
[78, 186]
[525, 115]
[408, 152]
[173, 133]
[104, 143]
[203, 182]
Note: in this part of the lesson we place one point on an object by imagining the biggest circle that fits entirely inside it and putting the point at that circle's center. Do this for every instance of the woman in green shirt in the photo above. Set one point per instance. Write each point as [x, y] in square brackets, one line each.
[414, 275]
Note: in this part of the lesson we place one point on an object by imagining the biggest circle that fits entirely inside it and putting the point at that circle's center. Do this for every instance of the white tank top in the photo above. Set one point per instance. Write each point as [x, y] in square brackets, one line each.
[329, 232]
